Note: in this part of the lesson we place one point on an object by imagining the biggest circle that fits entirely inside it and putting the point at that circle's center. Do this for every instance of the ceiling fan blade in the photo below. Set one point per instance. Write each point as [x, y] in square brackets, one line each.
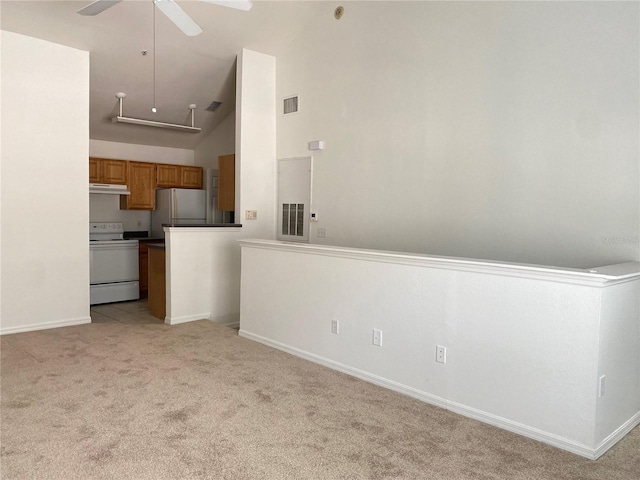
[97, 7]
[178, 16]
[239, 4]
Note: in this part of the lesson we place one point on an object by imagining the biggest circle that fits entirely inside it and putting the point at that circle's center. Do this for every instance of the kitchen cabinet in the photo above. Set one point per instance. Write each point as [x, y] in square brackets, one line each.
[104, 170]
[227, 183]
[178, 176]
[141, 180]
[191, 177]
[143, 265]
[157, 281]
[168, 176]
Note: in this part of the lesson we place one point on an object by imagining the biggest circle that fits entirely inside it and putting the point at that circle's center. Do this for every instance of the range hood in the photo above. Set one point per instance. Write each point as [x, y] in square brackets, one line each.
[108, 189]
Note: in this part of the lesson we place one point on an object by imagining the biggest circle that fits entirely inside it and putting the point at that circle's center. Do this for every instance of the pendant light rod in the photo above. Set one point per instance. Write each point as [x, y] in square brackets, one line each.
[153, 109]
[152, 123]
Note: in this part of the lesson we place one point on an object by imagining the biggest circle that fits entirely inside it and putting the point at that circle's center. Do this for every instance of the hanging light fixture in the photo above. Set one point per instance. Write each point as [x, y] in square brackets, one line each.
[153, 108]
[152, 123]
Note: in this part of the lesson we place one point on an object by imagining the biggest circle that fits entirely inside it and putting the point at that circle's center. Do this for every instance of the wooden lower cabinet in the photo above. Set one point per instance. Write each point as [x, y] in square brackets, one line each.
[227, 183]
[143, 265]
[157, 281]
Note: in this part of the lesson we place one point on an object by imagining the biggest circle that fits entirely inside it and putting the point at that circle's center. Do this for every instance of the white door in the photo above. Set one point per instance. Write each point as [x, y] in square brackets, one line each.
[294, 198]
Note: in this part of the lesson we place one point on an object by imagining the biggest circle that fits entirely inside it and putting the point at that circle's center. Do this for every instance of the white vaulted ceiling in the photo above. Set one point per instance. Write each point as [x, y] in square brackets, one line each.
[189, 70]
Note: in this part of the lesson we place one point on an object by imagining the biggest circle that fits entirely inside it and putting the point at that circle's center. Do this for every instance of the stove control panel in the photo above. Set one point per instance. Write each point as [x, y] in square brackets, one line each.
[106, 231]
[109, 227]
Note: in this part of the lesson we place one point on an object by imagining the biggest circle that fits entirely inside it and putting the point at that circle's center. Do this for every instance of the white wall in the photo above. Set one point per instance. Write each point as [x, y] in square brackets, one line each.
[256, 142]
[203, 274]
[44, 184]
[106, 208]
[140, 153]
[222, 141]
[500, 130]
[203, 264]
[525, 345]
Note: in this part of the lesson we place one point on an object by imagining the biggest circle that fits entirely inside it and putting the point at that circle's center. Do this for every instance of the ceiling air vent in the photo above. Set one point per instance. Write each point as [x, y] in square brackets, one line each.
[213, 107]
[290, 105]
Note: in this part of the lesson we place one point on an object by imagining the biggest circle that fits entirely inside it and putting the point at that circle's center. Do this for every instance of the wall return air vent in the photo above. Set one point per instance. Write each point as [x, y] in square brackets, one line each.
[290, 105]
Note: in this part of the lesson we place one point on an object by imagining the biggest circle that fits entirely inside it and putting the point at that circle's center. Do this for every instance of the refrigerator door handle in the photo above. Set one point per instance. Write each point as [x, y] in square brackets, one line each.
[175, 205]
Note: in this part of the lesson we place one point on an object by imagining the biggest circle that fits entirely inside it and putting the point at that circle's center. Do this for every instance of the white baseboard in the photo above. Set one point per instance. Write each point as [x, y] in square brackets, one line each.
[506, 424]
[616, 436]
[230, 325]
[229, 320]
[45, 325]
[186, 318]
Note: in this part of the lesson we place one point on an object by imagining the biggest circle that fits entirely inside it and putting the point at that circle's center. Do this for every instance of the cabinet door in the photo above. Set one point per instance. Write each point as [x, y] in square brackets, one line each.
[114, 171]
[94, 170]
[227, 183]
[191, 177]
[142, 185]
[103, 170]
[168, 175]
[143, 265]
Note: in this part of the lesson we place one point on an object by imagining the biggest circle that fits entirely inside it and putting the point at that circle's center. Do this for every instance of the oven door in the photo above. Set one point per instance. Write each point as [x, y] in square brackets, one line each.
[113, 261]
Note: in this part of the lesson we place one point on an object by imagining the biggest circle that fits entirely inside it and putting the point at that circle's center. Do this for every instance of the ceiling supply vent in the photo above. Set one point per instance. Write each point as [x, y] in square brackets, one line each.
[290, 105]
[213, 106]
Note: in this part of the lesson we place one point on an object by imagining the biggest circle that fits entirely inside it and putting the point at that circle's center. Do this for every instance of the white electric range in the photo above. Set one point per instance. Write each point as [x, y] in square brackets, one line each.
[113, 264]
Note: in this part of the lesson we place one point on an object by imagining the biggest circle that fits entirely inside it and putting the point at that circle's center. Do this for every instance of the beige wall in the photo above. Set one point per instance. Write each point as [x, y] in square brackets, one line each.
[45, 200]
[498, 130]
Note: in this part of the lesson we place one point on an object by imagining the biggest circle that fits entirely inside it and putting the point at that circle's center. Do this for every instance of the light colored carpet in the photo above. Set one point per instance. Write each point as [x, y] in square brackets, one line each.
[195, 401]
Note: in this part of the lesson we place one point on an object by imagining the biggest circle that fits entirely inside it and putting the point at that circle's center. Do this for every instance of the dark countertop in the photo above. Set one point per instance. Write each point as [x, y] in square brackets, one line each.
[142, 235]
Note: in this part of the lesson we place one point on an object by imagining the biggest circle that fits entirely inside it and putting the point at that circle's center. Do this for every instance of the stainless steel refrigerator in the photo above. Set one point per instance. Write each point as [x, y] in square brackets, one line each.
[178, 206]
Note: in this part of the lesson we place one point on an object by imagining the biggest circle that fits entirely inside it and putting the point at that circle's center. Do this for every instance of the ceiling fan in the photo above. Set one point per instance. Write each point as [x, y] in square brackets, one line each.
[171, 9]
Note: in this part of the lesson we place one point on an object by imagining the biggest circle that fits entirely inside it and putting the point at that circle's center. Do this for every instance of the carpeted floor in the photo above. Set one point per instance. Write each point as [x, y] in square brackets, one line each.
[195, 401]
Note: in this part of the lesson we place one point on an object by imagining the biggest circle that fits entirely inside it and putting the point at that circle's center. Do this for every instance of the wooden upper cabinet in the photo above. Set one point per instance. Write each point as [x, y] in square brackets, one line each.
[103, 170]
[94, 170]
[168, 175]
[178, 176]
[191, 177]
[142, 185]
[227, 183]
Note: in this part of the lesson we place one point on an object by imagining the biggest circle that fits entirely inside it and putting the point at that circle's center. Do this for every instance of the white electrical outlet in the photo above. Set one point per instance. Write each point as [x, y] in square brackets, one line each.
[377, 337]
[441, 354]
[601, 386]
[321, 232]
[335, 327]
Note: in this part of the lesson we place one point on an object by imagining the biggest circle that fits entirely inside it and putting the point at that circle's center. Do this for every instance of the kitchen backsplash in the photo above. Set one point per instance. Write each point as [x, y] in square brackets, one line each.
[106, 208]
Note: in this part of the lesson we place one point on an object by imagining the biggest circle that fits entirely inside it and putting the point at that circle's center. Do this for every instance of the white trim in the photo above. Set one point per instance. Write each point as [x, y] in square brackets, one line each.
[616, 436]
[515, 427]
[45, 326]
[595, 277]
[187, 318]
[230, 324]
